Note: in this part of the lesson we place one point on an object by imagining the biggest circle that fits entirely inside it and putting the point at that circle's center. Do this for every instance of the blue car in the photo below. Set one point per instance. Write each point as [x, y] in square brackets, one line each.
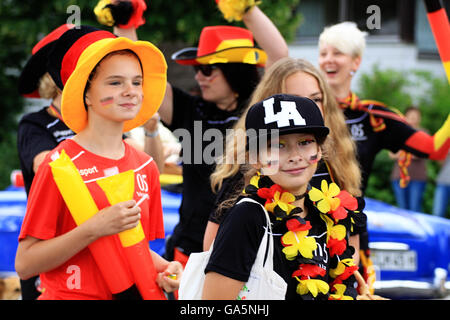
[410, 250]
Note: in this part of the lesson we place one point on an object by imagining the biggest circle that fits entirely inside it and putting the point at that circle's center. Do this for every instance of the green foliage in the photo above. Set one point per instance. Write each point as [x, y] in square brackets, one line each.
[185, 20]
[400, 90]
[25, 22]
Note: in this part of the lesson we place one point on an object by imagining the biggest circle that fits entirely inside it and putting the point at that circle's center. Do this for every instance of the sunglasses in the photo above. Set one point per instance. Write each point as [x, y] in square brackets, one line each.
[205, 69]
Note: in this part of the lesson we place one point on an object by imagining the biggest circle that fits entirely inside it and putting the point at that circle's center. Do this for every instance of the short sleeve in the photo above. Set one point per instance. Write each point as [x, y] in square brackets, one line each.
[237, 242]
[44, 206]
[183, 108]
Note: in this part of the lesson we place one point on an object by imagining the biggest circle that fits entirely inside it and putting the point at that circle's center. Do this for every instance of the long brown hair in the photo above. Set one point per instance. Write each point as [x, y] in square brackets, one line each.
[339, 149]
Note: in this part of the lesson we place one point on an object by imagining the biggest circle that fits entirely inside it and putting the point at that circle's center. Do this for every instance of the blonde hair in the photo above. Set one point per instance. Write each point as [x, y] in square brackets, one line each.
[339, 149]
[47, 87]
[346, 37]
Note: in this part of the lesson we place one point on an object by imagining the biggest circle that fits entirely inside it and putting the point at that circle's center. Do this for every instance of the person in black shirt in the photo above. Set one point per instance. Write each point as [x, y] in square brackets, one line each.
[39, 132]
[372, 124]
[311, 250]
[226, 79]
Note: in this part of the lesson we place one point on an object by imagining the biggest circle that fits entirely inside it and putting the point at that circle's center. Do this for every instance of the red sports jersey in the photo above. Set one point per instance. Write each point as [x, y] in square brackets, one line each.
[48, 217]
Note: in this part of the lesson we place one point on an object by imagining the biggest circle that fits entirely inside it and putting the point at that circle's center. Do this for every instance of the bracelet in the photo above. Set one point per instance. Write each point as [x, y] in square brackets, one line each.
[152, 134]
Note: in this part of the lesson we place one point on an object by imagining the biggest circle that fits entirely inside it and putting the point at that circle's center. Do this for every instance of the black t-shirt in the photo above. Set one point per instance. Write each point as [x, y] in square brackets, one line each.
[369, 142]
[235, 184]
[240, 234]
[38, 132]
[192, 117]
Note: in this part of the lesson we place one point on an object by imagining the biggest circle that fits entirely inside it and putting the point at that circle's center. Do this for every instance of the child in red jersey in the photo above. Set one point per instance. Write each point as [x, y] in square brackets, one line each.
[110, 85]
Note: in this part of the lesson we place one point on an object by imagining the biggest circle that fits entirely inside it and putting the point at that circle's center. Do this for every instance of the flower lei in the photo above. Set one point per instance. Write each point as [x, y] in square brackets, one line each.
[334, 206]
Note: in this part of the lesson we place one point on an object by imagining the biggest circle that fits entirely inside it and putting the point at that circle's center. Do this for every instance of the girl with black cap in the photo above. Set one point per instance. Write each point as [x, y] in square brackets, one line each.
[311, 251]
[109, 86]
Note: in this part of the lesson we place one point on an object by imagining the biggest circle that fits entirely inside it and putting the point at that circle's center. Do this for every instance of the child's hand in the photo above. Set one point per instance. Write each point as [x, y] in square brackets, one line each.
[114, 219]
[169, 279]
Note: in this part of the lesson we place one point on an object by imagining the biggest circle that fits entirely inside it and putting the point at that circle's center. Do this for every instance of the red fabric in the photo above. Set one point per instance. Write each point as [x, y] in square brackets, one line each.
[48, 217]
[423, 142]
[70, 59]
[137, 19]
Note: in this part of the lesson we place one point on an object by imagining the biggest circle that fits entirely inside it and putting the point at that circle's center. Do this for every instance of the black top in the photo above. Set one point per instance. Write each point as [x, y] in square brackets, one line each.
[239, 236]
[192, 116]
[38, 132]
[235, 184]
[369, 142]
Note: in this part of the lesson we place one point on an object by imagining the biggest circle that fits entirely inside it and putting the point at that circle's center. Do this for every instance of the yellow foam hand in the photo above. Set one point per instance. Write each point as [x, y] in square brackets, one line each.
[235, 9]
[119, 188]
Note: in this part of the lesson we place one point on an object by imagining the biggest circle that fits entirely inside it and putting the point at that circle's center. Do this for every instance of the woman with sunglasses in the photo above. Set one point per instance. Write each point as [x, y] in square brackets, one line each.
[225, 62]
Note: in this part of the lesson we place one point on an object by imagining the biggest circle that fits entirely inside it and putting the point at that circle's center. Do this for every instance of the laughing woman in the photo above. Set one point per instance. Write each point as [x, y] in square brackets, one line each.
[110, 85]
[373, 126]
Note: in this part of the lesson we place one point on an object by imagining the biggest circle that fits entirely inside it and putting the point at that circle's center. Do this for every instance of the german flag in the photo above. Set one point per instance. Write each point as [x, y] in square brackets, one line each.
[441, 30]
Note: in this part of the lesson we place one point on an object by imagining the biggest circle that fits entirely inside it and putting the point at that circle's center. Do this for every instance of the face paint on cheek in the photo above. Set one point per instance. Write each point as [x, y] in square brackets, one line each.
[314, 159]
[106, 102]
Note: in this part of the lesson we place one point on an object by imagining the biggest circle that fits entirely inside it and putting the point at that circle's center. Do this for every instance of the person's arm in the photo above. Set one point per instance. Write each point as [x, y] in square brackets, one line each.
[227, 290]
[210, 234]
[38, 159]
[129, 33]
[399, 135]
[266, 35]
[166, 270]
[152, 142]
[35, 256]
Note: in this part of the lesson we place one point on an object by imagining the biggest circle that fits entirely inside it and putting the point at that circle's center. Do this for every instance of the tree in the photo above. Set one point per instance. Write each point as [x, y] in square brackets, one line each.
[25, 22]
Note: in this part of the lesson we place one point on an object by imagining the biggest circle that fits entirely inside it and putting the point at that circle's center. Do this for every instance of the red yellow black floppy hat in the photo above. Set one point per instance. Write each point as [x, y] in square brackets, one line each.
[36, 66]
[78, 51]
[222, 44]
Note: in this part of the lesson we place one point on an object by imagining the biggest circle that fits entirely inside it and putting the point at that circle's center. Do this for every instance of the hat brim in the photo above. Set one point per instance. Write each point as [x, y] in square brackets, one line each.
[154, 81]
[36, 66]
[32, 72]
[318, 131]
[250, 55]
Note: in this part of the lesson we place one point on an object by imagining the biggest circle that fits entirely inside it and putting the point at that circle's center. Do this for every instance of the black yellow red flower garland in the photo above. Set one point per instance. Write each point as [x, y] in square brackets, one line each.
[335, 206]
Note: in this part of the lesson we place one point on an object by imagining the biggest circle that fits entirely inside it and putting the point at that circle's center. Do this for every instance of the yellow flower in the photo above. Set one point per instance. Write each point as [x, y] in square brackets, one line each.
[337, 232]
[339, 295]
[298, 242]
[313, 286]
[254, 180]
[283, 202]
[342, 265]
[326, 197]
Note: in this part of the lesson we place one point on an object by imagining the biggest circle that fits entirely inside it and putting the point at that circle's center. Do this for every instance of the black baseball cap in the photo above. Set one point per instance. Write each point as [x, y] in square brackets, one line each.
[287, 114]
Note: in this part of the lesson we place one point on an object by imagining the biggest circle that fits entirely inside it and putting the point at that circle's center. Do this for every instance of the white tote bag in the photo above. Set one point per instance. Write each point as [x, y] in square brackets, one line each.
[263, 284]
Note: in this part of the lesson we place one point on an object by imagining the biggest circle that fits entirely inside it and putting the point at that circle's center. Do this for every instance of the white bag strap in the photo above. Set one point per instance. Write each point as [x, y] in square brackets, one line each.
[263, 246]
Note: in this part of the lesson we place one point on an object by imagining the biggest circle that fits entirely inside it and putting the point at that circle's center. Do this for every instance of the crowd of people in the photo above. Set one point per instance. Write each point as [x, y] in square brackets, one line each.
[305, 179]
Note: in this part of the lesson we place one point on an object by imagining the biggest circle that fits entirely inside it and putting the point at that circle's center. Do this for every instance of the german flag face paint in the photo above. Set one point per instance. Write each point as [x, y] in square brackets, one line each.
[440, 27]
[106, 102]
